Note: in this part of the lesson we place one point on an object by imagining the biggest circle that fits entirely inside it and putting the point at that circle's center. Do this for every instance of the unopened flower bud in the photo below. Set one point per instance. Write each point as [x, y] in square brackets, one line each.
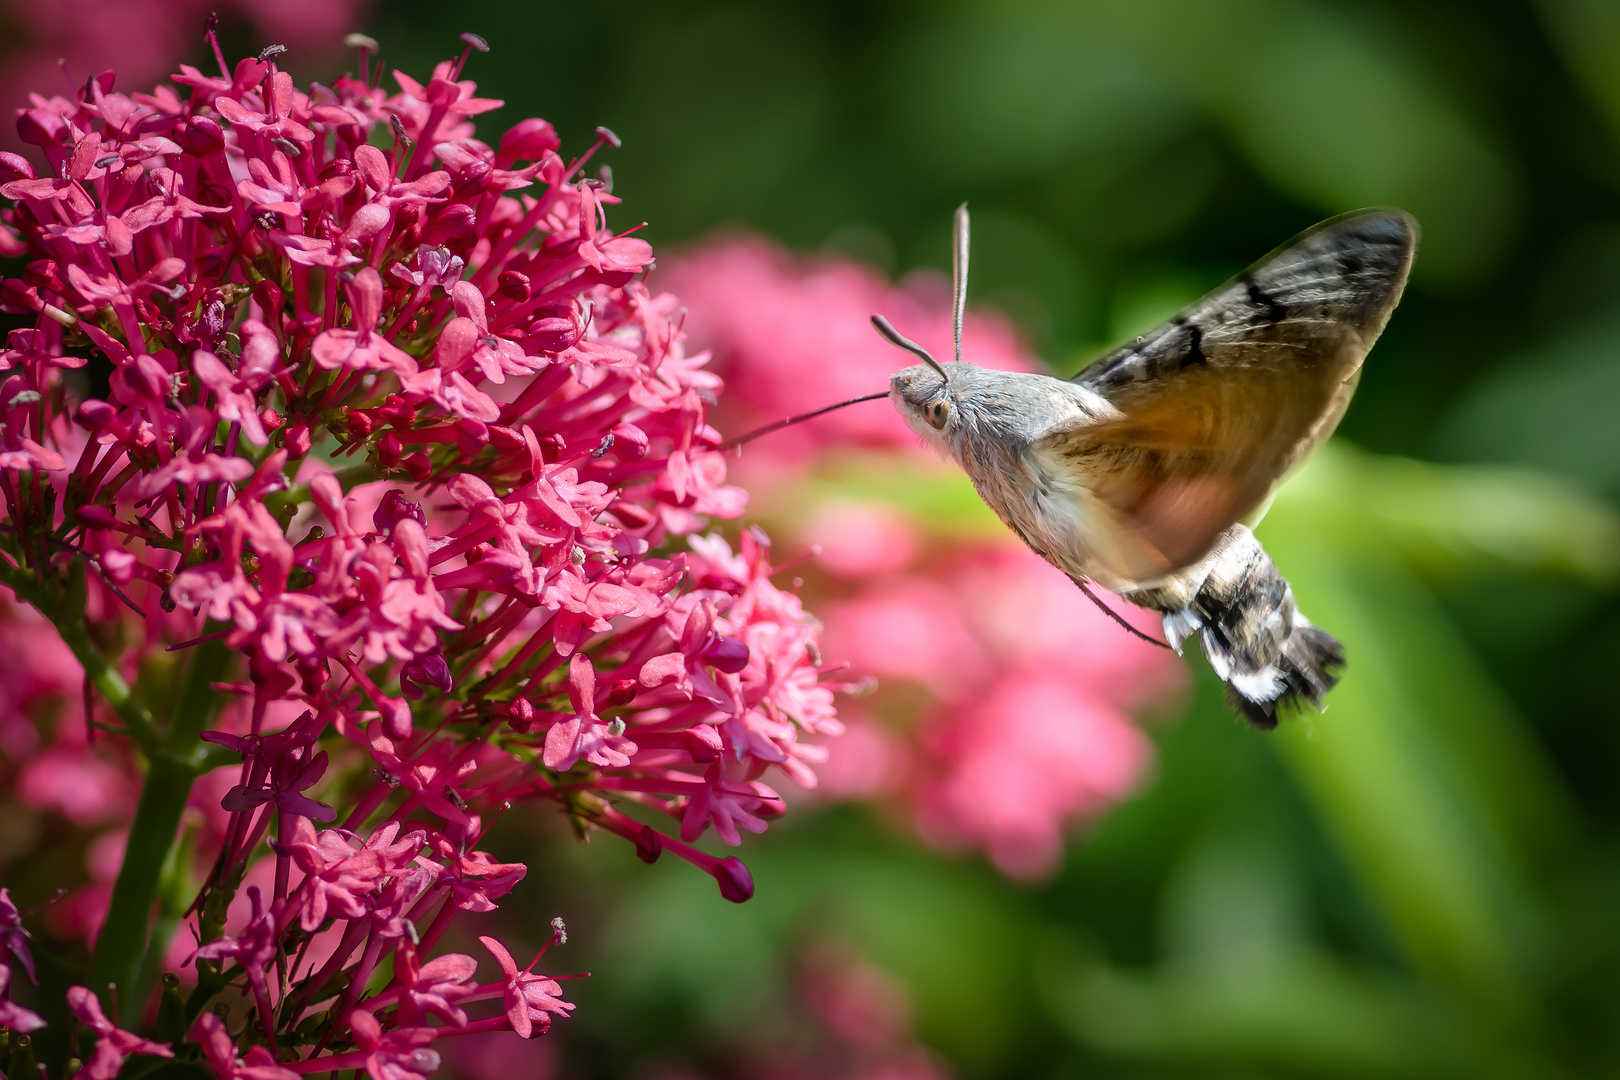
[418, 467]
[504, 438]
[623, 693]
[94, 415]
[736, 883]
[98, 517]
[422, 672]
[298, 439]
[200, 135]
[389, 451]
[271, 419]
[396, 411]
[396, 718]
[728, 654]
[529, 140]
[513, 285]
[521, 713]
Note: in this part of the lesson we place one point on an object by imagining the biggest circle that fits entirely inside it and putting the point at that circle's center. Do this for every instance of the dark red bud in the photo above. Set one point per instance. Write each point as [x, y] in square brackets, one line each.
[649, 845]
[200, 135]
[736, 883]
[337, 167]
[521, 713]
[360, 424]
[396, 411]
[728, 654]
[389, 451]
[623, 693]
[94, 415]
[513, 285]
[271, 419]
[268, 295]
[422, 672]
[298, 439]
[95, 516]
[418, 467]
[472, 435]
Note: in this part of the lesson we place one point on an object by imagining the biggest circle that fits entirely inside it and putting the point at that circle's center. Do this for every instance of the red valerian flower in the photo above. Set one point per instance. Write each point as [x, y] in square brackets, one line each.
[404, 459]
[12, 1015]
[114, 1043]
[531, 1000]
[220, 1049]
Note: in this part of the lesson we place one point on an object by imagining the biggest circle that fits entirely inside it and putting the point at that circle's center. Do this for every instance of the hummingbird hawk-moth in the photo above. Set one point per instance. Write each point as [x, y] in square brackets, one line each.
[1144, 472]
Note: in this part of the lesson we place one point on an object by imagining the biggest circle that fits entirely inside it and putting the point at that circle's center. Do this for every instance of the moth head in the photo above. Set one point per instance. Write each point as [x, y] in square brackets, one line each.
[921, 393]
[923, 398]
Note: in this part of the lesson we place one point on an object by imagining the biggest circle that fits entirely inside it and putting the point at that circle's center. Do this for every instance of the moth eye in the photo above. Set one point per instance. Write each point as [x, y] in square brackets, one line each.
[937, 412]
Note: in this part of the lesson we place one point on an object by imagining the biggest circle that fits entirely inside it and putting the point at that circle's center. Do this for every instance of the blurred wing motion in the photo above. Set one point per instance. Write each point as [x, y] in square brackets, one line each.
[1217, 404]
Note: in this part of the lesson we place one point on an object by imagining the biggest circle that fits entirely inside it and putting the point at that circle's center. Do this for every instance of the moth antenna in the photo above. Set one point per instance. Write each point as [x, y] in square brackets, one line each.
[959, 272]
[731, 444]
[898, 339]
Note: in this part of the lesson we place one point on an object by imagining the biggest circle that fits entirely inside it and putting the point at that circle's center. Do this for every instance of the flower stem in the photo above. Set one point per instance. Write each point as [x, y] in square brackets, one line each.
[175, 764]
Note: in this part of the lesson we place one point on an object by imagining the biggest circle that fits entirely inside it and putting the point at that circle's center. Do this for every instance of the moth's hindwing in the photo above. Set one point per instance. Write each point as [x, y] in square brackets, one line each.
[1219, 402]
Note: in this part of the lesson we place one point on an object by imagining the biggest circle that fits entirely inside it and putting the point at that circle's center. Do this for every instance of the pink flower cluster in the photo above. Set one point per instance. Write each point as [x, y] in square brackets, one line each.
[57, 43]
[380, 428]
[1023, 722]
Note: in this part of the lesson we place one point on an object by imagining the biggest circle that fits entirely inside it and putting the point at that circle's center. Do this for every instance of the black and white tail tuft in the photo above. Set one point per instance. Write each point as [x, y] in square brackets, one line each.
[1268, 654]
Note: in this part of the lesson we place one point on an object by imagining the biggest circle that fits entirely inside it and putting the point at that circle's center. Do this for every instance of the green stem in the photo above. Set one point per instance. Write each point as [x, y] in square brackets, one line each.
[123, 936]
[69, 620]
[174, 766]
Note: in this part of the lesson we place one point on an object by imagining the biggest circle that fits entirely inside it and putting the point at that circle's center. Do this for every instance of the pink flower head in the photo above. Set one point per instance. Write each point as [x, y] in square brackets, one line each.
[253, 950]
[531, 1000]
[13, 936]
[398, 1054]
[584, 734]
[435, 987]
[362, 348]
[337, 876]
[12, 1015]
[219, 1048]
[401, 447]
[114, 1044]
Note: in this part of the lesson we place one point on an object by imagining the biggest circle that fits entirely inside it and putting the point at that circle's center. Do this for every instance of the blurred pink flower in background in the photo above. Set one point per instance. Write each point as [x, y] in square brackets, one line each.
[1023, 723]
[52, 47]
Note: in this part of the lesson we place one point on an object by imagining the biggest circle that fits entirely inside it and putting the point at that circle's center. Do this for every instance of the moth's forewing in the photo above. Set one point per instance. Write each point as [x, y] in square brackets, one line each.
[1219, 402]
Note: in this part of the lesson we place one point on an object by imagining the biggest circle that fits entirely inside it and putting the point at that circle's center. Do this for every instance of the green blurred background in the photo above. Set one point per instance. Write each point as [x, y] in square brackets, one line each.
[1424, 881]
